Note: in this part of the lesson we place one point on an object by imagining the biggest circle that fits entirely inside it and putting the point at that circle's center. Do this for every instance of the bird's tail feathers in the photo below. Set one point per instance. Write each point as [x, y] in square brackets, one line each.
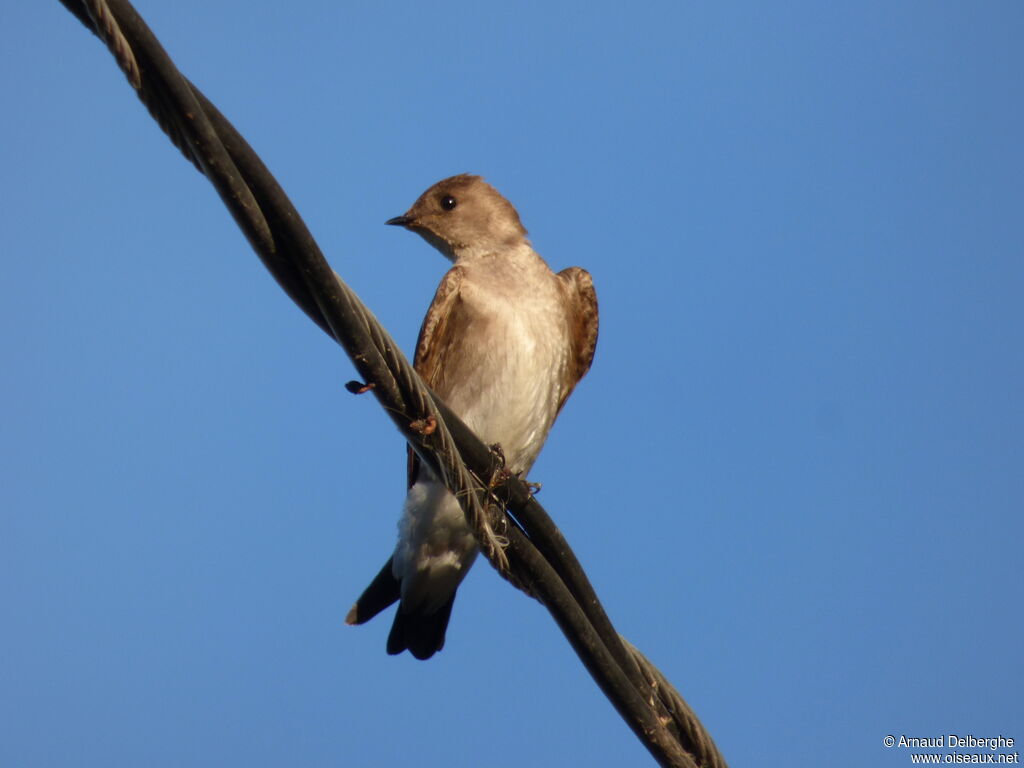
[422, 634]
[382, 592]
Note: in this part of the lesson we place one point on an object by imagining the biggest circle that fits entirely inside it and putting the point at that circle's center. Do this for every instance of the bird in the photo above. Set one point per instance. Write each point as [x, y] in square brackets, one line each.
[504, 342]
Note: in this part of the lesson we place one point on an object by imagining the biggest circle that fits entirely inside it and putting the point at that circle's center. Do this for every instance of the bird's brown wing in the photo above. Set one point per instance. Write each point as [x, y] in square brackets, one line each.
[435, 342]
[579, 288]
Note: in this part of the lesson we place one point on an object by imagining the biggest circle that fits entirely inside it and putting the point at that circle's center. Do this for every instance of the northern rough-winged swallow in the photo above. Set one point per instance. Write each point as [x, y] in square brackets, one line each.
[503, 344]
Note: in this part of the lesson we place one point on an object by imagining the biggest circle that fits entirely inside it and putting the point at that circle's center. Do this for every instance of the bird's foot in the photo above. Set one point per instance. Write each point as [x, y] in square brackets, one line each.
[502, 473]
[498, 453]
[425, 426]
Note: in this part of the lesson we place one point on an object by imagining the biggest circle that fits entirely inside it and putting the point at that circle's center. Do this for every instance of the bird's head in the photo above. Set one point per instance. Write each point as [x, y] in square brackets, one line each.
[463, 215]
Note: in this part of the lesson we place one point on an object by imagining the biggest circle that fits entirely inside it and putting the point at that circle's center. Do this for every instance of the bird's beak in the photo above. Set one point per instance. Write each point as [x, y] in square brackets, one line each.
[399, 221]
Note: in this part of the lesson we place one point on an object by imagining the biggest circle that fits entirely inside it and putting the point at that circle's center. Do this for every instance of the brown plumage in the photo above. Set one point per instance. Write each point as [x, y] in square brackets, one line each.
[504, 343]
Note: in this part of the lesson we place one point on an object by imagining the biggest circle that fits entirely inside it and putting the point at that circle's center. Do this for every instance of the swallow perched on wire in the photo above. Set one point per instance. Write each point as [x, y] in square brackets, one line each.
[503, 343]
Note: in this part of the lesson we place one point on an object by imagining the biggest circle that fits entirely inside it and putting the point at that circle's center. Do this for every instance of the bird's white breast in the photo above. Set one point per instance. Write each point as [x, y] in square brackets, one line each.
[505, 380]
[515, 351]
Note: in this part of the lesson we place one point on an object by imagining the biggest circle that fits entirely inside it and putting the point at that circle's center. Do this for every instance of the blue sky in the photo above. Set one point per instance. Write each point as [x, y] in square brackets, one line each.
[794, 472]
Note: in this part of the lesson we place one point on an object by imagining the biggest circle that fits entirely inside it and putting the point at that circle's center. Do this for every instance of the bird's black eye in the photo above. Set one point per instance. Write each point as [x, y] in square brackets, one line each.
[448, 202]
